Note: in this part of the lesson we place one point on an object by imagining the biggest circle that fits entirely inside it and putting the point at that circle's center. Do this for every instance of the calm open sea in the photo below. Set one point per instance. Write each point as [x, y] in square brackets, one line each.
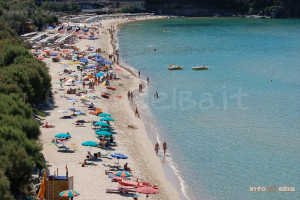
[234, 125]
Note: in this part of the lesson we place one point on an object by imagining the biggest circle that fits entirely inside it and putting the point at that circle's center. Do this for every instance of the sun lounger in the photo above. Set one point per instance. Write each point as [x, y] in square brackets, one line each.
[117, 190]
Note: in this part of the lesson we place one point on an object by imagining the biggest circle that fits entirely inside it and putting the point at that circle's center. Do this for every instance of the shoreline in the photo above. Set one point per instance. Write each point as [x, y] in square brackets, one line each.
[171, 172]
[146, 164]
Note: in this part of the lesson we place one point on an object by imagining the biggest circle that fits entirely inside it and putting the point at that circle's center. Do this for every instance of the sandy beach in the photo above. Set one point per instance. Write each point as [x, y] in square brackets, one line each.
[91, 181]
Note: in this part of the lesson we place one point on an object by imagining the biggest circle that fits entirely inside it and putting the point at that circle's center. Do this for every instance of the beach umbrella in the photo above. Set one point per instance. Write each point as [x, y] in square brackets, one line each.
[112, 71]
[63, 111]
[73, 109]
[78, 113]
[122, 174]
[73, 75]
[92, 66]
[90, 143]
[104, 129]
[99, 74]
[103, 133]
[84, 97]
[83, 90]
[40, 58]
[107, 119]
[118, 156]
[91, 90]
[80, 82]
[59, 82]
[84, 60]
[147, 190]
[53, 54]
[62, 135]
[107, 62]
[64, 65]
[101, 124]
[98, 56]
[50, 28]
[69, 193]
[99, 60]
[67, 52]
[73, 101]
[104, 115]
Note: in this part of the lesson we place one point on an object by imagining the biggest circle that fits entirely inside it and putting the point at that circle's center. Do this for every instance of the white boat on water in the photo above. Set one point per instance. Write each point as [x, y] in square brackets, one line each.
[173, 67]
[199, 68]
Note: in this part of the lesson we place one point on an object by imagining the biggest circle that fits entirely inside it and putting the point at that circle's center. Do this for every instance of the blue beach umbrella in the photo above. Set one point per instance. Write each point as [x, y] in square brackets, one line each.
[64, 65]
[80, 82]
[73, 101]
[104, 115]
[98, 56]
[53, 54]
[50, 28]
[118, 156]
[107, 62]
[101, 124]
[84, 60]
[91, 66]
[104, 133]
[99, 74]
[62, 135]
[90, 143]
[107, 119]
[73, 109]
[99, 60]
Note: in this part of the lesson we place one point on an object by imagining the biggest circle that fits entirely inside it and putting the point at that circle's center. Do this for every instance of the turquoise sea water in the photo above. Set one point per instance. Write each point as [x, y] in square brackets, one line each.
[234, 125]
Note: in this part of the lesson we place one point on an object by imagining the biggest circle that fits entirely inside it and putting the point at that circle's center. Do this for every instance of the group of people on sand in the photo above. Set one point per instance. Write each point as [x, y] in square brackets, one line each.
[130, 96]
[156, 148]
[48, 126]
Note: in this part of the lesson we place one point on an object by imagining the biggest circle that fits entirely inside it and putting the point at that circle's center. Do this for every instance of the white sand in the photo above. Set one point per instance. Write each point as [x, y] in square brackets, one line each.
[91, 181]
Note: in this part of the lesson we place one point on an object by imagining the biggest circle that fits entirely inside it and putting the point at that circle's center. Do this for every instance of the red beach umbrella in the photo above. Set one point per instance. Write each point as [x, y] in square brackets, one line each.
[40, 58]
[147, 190]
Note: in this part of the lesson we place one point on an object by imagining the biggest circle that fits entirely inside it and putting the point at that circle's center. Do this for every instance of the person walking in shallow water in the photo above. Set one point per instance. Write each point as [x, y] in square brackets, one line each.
[131, 96]
[156, 148]
[128, 94]
[137, 112]
[165, 147]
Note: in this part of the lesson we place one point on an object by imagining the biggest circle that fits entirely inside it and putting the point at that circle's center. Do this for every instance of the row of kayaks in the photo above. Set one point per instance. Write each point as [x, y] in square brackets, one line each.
[173, 67]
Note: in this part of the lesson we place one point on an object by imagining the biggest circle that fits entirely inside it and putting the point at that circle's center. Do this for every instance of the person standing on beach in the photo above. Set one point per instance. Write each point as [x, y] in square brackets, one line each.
[131, 96]
[147, 80]
[139, 74]
[165, 147]
[128, 94]
[156, 148]
[137, 112]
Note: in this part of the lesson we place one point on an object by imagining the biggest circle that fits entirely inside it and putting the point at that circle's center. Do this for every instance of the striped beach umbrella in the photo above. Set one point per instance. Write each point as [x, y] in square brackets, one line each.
[69, 193]
[122, 174]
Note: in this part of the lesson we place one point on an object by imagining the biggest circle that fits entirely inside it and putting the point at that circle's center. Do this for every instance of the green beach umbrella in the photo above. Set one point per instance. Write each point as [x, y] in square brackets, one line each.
[62, 135]
[104, 115]
[107, 119]
[90, 143]
[59, 82]
[101, 124]
[104, 133]
[105, 129]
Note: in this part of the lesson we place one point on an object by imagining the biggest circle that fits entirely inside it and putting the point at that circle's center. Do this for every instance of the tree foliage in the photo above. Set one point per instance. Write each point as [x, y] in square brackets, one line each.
[128, 8]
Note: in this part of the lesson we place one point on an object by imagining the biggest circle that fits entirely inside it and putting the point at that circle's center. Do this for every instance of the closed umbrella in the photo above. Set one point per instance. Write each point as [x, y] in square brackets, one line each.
[107, 119]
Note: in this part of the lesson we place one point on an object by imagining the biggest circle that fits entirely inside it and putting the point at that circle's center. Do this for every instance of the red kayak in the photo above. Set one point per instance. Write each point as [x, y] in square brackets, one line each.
[105, 96]
[109, 87]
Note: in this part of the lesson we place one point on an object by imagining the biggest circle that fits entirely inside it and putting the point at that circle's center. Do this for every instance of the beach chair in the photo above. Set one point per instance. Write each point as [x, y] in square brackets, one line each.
[74, 147]
[116, 190]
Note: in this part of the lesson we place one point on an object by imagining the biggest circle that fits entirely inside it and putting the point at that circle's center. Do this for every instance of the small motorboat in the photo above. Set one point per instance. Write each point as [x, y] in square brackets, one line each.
[109, 87]
[173, 67]
[199, 68]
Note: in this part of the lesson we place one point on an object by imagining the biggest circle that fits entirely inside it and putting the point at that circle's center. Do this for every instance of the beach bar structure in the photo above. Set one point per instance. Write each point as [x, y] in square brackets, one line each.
[50, 38]
[37, 37]
[57, 184]
[62, 39]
